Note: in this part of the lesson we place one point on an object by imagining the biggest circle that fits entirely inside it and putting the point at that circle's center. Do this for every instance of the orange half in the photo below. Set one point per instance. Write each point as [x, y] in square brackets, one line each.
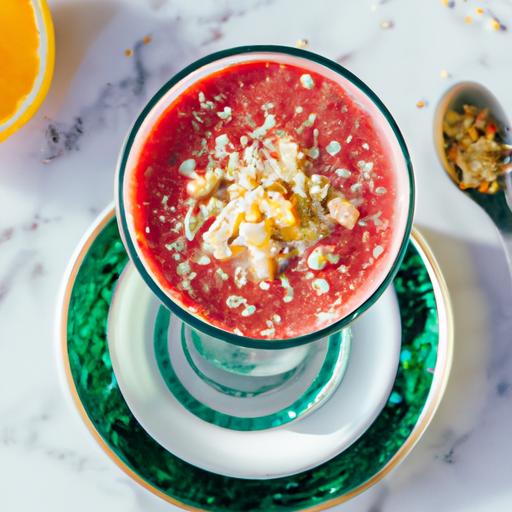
[27, 56]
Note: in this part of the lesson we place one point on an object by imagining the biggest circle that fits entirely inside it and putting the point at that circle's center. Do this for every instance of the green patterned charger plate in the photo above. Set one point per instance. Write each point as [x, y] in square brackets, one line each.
[422, 375]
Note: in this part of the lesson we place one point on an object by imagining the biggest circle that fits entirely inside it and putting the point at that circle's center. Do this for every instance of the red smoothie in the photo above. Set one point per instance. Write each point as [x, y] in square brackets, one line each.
[264, 201]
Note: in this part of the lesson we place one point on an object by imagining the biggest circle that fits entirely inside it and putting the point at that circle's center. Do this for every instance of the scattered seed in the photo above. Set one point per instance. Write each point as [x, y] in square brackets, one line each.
[333, 148]
[365, 166]
[178, 245]
[183, 268]
[240, 277]
[468, 19]
[203, 260]
[307, 81]
[268, 332]
[387, 24]
[128, 52]
[301, 43]
[421, 104]
[496, 25]
[225, 114]
[343, 173]
[326, 316]
[197, 117]
[377, 251]
[233, 301]
[285, 283]
[444, 74]
[147, 39]
[249, 310]
[187, 168]
[321, 286]
[222, 274]
[314, 153]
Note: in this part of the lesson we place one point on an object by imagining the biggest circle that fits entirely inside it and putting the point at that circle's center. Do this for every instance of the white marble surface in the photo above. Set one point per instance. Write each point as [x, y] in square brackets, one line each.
[51, 190]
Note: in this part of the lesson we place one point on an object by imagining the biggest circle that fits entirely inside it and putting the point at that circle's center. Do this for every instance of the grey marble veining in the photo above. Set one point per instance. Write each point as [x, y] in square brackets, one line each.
[56, 174]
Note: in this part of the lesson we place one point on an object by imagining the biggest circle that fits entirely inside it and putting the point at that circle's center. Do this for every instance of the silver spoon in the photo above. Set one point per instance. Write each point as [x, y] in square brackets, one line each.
[499, 205]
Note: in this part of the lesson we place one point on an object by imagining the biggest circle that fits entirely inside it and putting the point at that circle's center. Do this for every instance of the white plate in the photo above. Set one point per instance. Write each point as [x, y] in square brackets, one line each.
[291, 448]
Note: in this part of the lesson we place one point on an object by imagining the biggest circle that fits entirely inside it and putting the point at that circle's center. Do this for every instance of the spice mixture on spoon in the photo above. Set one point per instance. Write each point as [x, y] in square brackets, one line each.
[475, 149]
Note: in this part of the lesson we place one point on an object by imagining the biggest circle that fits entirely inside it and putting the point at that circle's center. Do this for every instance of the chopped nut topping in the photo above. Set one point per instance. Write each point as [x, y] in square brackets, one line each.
[264, 203]
[343, 212]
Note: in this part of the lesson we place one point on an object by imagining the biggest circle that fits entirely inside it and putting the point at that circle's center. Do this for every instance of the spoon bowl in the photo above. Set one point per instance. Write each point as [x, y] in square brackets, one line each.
[467, 93]
[499, 205]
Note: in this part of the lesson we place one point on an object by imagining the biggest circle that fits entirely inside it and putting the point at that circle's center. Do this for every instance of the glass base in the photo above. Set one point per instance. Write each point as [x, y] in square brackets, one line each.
[246, 389]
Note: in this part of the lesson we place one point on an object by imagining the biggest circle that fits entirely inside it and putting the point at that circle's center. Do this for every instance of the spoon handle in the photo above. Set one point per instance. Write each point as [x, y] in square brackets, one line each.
[507, 244]
[498, 207]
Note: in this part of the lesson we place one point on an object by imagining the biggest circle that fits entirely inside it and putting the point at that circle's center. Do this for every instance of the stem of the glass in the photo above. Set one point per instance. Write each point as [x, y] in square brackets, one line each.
[247, 389]
[242, 371]
[246, 361]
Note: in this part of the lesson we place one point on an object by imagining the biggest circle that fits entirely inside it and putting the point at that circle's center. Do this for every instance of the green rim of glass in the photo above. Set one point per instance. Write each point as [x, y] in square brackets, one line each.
[184, 315]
